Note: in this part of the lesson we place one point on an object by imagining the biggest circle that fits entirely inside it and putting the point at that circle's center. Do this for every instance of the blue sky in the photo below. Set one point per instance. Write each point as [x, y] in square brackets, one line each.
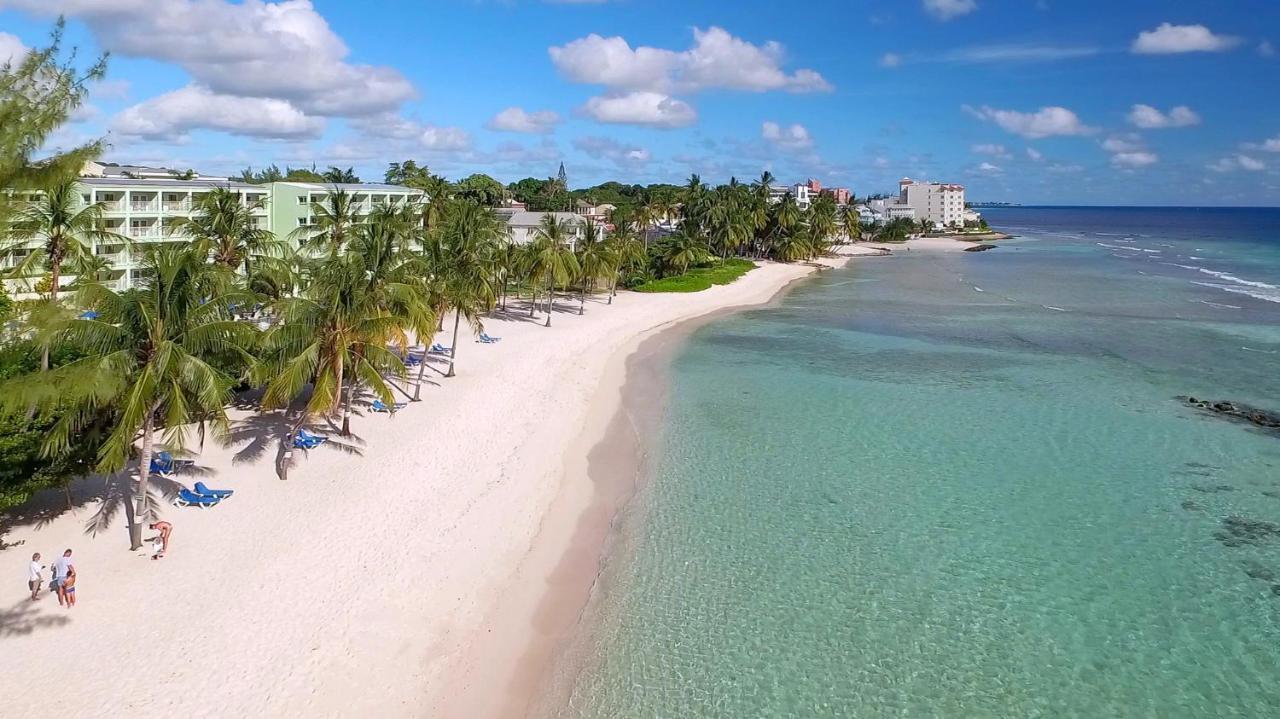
[1034, 101]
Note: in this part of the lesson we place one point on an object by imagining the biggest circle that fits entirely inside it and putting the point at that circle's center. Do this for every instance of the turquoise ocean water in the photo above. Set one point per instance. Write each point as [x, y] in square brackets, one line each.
[961, 486]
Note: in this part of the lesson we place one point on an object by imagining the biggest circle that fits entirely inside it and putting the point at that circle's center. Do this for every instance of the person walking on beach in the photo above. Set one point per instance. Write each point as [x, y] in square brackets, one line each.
[34, 579]
[61, 569]
[160, 542]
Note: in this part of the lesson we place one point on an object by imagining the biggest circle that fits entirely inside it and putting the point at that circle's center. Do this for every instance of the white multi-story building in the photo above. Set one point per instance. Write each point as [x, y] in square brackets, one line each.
[800, 192]
[940, 203]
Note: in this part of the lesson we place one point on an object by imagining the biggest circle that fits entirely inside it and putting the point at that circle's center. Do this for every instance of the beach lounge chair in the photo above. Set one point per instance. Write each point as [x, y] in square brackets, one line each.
[412, 360]
[187, 498]
[306, 440]
[165, 465]
[89, 315]
[204, 491]
[378, 406]
[439, 349]
[487, 339]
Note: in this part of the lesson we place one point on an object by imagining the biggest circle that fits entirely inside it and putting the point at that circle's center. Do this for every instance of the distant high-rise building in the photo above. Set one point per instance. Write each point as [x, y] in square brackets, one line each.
[940, 203]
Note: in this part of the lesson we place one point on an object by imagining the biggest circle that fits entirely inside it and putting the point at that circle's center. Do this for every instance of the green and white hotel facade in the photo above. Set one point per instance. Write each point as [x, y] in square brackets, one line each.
[144, 211]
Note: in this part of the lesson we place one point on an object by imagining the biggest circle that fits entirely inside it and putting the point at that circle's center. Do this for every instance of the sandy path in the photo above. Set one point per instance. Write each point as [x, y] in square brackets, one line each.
[354, 588]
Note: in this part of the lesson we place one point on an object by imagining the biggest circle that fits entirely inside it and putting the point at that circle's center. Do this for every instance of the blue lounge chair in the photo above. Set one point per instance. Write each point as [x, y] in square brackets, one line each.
[487, 339]
[187, 498]
[412, 360]
[379, 406]
[439, 349]
[89, 315]
[165, 465]
[204, 491]
[306, 440]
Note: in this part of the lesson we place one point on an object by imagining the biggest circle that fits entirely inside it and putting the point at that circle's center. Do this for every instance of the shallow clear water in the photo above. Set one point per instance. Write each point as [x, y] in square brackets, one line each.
[897, 495]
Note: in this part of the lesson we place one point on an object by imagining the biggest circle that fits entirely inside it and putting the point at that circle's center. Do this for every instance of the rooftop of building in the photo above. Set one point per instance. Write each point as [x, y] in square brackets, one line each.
[143, 183]
[352, 186]
[524, 218]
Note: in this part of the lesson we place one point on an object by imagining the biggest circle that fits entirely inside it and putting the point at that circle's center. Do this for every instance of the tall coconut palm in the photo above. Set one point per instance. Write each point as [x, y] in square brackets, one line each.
[148, 355]
[551, 257]
[62, 228]
[223, 225]
[680, 250]
[596, 261]
[54, 230]
[333, 220]
[470, 234]
[334, 336]
[629, 253]
[851, 221]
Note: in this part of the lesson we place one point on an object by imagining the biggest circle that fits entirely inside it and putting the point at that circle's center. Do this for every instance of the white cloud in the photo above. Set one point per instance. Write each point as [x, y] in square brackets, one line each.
[1266, 49]
[515, 119]
[987, 168]
[254, 49]
[173, 114]
[947, 9]
[793, 138]
[1034, 155]
[1237, 162]
[1140, 158]
[604, 148]
[1045, 122]
[717, 60]
[989, 149]
[444, 138]
[890, 59]
[641, 108]
[1018, 53]
[1168, 39]
[1272, 144]
[1123, 143]
[1149, 118]
[11, 48]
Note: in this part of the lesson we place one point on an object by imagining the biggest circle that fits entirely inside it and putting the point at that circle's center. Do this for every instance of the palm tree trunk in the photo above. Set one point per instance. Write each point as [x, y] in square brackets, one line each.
[422, 367]
[551, 302]
[346, 410]
[582, 299]
[533, 299]
[141, 512]
[613, 288]
[453, 349]
[55, 277]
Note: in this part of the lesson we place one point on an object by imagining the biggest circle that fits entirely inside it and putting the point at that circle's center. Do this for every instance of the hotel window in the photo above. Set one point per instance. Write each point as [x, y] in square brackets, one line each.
[302, 200]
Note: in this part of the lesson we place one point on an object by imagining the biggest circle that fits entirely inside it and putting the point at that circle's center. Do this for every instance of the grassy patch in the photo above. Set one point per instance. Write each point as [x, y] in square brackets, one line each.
[701, 278]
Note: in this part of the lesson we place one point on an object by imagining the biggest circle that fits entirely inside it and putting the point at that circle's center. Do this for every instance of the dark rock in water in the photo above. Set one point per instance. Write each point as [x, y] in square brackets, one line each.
[1214, 489]
[1237, 530]
[980, 248]
[1239, 412]
[1191, 506]
[1271, 493]
[1255, 570]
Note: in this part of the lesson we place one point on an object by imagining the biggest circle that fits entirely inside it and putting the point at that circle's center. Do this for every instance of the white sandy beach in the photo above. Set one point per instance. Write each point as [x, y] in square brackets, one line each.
[369, 582]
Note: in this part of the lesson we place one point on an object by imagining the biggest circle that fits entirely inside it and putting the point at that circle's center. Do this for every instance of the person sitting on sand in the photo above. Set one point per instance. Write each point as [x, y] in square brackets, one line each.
[35, 580]
[160, 542]
[69, 588]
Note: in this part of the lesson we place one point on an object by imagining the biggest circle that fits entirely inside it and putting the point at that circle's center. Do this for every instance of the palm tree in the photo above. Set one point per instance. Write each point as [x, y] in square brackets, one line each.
[551, 257]
[223, 226]
[333, 219]
[334, 336]
[65, 228]
[150, 356]
[629, 252]
[680, 250]
[596, 261]
[852, 223]
[469, 234]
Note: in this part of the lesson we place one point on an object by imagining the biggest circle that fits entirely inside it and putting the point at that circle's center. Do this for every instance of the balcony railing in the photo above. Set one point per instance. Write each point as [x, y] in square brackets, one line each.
[144, 232]
[177, 206]
[143, 206]
[113, 205]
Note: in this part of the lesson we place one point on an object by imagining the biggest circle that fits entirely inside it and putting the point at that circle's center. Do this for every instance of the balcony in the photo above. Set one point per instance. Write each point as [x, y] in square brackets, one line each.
[144, 232]
[143, 206]
[113, 205]
[177, 206]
